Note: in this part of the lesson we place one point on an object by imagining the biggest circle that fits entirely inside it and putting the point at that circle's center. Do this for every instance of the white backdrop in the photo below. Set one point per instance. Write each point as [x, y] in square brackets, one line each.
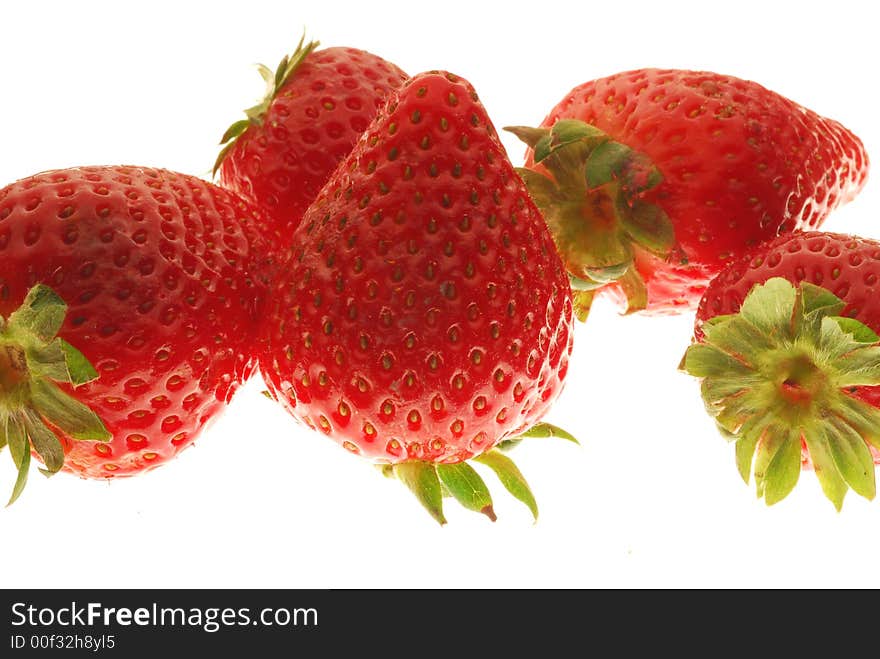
[651, 499]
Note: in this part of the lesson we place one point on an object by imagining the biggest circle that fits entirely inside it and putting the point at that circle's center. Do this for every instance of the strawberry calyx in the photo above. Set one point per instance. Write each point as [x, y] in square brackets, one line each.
[781, 378]
[431, 482]
[274, 80]
[591, 190]
[33, 408]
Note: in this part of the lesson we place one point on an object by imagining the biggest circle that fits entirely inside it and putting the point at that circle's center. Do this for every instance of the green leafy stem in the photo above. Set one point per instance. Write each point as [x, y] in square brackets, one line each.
[33, 360]
[431, 483]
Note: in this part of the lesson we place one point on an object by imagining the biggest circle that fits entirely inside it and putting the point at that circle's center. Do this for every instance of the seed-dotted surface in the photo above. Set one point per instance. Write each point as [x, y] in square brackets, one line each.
[741, 165]
[424, 313]
[311, 125]
[163, 274]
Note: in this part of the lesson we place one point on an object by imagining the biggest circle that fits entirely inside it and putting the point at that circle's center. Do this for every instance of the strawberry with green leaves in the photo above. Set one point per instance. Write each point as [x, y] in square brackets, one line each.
[129, 297]
[653, 180]
[424, 316]
[317, 104]
[787, 349]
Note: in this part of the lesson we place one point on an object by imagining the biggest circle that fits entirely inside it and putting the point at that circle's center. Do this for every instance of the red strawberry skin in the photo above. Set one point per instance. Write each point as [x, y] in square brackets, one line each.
[312, 124]
[848, 266]
[741, 164]
[425, 314]
[161, 275]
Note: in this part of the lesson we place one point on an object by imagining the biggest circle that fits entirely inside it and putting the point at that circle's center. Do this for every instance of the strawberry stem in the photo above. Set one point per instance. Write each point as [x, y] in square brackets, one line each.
[286, 69]
[431, 483]
[591, 191]
[781, 377]
[33, 408]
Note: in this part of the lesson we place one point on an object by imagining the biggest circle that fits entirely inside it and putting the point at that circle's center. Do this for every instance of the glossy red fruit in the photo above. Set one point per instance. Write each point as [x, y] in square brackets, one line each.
[787, 349]
[424, 315]
[160, 275]
[653, 180]
[317, 105]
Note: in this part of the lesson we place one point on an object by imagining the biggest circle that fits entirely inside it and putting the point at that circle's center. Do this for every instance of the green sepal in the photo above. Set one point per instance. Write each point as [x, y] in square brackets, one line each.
[613, 161]
[422, 480]
[529, 135]
[266, 74]
[582, 301]
[784, 469]
[830, 480]
[466, 486]
[507, 445]
[542, 190]
[61, 362]
[768, 446]
[41, 314]
[648, 226]
[745, 453]
[45, 442]
[859, 332]
[861, 417]
[778, 374]
[66, 413]
[544, 430]
[19, 449]
[570, 131]
[817, 299]
[635, 290]
[608, 273]
[605, 163]
[738, 337]
[511, 478]
[274, 82]
[769, 307]
[35, 407]
[235, 130]
[79, 369]
[859, 367]
[579, 284]
[853, 459]
[593, 202]
[704, 360]
[222, 156]
[540, 430]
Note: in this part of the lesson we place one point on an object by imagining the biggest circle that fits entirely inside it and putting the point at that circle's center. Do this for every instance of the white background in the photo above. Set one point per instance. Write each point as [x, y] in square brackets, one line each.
[651, 499]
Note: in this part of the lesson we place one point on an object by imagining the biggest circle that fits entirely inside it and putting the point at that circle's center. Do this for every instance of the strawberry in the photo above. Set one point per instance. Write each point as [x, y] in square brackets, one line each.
[423, 316]
[653, 180]
[317, 104]
[787, 349]
[128, 297]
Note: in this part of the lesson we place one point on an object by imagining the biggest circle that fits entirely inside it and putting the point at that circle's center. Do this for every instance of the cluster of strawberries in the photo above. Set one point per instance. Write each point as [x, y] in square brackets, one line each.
[404, 290]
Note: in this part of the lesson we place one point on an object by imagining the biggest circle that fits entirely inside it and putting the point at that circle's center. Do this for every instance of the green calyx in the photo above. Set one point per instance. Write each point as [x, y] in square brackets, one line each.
[275, 80]
[431, 483]
[32, 406]
[778, 375]
[593, 202]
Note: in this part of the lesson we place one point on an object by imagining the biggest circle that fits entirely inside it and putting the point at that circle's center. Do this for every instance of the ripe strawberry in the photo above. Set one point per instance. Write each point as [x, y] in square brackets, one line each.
[317, 104]
[674, 174]
[787, 348]
[150, 274]
[424, 315]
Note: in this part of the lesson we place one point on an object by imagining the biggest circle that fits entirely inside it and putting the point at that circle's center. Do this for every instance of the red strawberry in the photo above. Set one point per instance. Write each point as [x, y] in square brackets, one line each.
[317, 105]
[674, 173]
[149, 274]
[787, 349]
[424, 315]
